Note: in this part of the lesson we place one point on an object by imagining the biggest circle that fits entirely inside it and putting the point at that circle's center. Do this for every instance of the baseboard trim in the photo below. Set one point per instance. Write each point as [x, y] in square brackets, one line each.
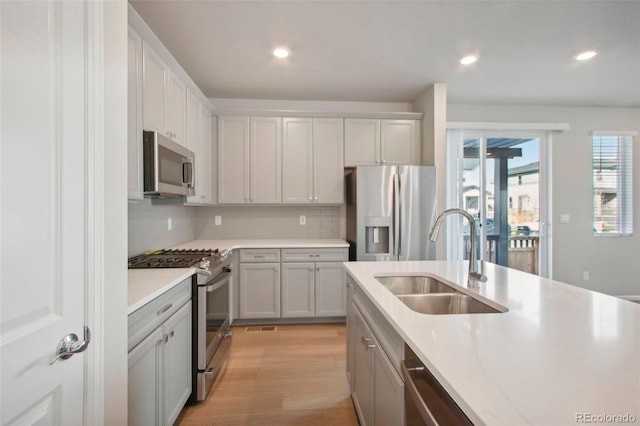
[275, 321]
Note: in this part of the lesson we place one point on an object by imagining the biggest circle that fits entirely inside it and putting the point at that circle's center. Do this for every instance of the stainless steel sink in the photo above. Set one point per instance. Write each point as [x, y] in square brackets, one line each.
[445, 303]
[414, 285]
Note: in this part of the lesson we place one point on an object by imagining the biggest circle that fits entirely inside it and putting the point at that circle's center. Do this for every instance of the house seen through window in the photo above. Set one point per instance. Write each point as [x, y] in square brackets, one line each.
[612, 187]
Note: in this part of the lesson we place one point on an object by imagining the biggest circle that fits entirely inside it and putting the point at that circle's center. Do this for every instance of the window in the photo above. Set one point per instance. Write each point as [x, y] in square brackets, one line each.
[612, 203]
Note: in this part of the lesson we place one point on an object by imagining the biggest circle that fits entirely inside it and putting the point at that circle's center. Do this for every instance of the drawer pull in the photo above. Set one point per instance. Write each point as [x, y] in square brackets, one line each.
[165, 309]
[258, 256]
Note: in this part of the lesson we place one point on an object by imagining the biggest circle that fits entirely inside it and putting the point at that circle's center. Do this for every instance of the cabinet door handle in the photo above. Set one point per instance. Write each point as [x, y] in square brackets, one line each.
[165, 309]
[367, 342]
[171, 333]
[165, 338]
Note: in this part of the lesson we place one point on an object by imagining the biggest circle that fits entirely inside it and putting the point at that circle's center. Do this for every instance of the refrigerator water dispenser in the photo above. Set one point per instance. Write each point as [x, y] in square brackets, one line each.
[377, 235]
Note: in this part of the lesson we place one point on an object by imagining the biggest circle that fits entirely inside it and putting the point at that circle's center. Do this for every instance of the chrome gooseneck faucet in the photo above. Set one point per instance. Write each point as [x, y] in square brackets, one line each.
[474, 275]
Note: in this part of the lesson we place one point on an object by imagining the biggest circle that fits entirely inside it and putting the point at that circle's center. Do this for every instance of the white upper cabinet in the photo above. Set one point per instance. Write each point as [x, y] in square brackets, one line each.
[297, 166]
[362, 142]
[400, 141]
[328, 163]
[154, 83]
[175, 107]
[192, 114]
[387, 142]
[204, 160]
[198, 137]
[312, 169]
[249, 160]
[164, 107]
[233, 160]
[134, 110]
[265, 153]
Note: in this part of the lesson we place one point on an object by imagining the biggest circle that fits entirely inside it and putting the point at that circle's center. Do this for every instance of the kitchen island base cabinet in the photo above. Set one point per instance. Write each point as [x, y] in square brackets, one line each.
[160, 372]
[374, 355]
[377, 389]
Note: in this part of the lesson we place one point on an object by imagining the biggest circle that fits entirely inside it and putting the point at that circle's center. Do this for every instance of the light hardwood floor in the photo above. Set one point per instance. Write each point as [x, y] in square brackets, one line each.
[292, 376]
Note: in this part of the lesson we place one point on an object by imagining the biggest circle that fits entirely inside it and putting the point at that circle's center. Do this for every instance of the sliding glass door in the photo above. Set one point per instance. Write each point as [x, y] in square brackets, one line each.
[500, 178]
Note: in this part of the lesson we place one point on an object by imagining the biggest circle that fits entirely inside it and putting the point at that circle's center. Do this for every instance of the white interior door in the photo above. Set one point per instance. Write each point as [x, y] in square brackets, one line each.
[43, 210]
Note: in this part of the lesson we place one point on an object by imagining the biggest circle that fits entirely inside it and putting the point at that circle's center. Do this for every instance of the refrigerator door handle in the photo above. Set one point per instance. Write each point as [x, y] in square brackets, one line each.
[396, 214]
[399, 216]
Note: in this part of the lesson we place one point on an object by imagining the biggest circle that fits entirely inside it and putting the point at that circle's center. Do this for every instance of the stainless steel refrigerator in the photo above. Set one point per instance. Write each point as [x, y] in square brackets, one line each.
[390, 210]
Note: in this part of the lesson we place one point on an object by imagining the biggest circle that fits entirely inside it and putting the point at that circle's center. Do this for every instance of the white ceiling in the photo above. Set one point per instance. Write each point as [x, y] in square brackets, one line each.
[390, 51]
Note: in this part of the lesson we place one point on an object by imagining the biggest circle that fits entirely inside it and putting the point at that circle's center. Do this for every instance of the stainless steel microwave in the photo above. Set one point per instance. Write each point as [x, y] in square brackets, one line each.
[168, 167]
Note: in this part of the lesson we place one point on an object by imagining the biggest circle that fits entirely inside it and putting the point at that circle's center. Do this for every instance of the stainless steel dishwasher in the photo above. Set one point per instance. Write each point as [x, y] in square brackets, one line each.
[426, 401]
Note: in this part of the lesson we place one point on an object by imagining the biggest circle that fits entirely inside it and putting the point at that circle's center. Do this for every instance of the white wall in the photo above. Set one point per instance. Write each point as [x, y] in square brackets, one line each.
[613, 262]
[270, 222]
[148, 224]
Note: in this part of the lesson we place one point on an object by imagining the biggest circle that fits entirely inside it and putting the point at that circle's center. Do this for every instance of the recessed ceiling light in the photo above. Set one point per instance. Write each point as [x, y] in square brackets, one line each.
[468, 60]
[281, 52]
[587, 54]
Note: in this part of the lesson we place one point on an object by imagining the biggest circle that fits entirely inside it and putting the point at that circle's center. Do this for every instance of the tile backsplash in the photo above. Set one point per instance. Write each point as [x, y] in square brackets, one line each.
[148, 224]
[270, 222]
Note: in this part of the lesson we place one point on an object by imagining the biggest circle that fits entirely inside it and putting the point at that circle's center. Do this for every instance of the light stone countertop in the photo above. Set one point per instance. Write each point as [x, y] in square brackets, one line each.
[264, 243]
[147, 284]
[558, 352]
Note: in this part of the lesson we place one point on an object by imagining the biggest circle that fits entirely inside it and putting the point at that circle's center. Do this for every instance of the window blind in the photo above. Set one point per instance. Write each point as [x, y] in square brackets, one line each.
[612, 184]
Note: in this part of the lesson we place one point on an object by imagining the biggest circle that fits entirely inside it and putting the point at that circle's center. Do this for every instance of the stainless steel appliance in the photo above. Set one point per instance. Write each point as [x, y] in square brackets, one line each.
[211, 303]
[168, 167]
[426, 401]
[390, 210]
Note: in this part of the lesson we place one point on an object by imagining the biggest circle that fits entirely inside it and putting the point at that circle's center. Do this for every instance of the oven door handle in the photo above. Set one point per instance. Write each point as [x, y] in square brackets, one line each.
[220, 280]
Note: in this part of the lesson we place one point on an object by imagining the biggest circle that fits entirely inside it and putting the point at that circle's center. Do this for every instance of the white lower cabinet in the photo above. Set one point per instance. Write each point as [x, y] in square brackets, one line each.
[159, 379]
[363, 379]
[308, 283]
[145, 385]
[298, 295]
[260, 290]
[377, 388]
[388, 393]
[331, 297]
[177, 362]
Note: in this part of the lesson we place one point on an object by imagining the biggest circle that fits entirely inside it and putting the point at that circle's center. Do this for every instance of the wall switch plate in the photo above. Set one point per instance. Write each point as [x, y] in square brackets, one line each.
[564, 218]
[303, 220]
[218, 220]
[586, 275]
[169, 224]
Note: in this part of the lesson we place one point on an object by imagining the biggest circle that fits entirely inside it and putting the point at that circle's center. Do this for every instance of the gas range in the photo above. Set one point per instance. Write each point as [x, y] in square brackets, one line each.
[207, 262]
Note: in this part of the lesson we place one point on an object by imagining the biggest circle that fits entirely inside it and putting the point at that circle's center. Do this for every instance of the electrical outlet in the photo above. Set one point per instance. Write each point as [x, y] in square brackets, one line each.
[169, 224]
[303, 220]
[586, 275]
[218, 220]
[564, 218]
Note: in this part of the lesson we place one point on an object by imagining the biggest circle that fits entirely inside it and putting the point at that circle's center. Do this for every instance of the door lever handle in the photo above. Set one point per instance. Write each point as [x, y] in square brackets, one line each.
[69, 345]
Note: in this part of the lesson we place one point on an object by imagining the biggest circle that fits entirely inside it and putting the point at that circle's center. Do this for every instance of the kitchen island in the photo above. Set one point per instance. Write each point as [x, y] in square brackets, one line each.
[557, 355]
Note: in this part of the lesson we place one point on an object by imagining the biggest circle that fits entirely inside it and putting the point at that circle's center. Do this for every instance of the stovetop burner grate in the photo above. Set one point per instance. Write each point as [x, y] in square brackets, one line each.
[173, 258]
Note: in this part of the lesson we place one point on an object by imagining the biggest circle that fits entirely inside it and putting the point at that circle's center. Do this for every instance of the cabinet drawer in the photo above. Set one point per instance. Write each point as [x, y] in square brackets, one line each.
[260, 255]
[338, 254]
[146, 319]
